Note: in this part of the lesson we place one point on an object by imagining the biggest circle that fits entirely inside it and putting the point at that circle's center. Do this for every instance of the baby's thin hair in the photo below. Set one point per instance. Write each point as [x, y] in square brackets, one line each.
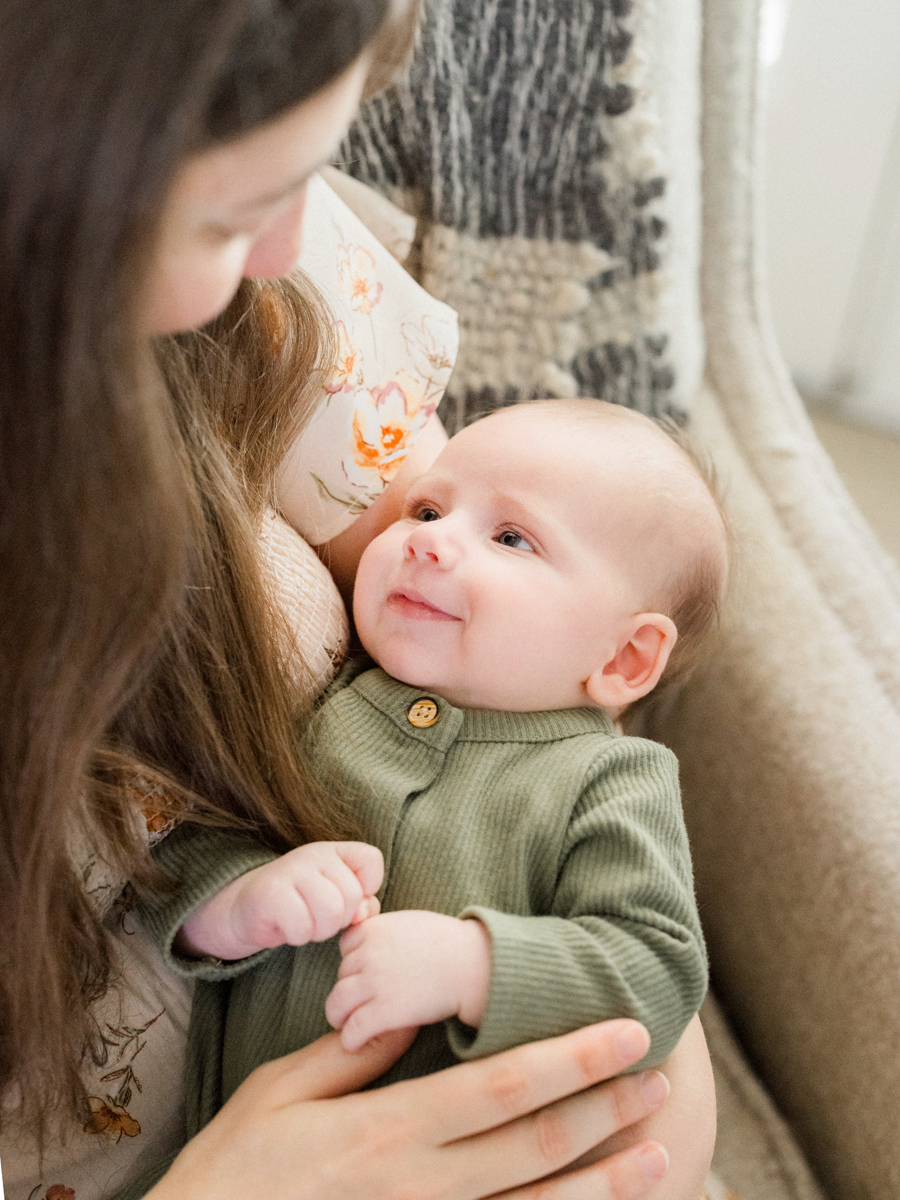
[699, 591]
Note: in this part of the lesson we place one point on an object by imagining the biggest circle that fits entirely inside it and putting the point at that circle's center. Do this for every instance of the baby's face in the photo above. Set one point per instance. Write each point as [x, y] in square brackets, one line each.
[520, 558]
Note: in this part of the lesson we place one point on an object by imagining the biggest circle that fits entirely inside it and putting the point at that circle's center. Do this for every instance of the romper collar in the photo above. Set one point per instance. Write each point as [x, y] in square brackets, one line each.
[429, 718]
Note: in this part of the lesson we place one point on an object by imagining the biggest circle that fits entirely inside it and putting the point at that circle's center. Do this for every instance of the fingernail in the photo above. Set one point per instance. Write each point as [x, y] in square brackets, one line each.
[632, 1042]
[654, 1088]
[654, 1163]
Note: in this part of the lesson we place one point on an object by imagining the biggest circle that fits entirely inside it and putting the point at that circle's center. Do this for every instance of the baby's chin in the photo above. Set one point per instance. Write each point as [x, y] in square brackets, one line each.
[471, 693]
[409, 662]
[407, 668]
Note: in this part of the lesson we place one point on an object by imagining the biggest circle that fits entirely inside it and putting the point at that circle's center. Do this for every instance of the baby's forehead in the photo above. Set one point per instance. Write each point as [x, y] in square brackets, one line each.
[589, 439]
[598, 465]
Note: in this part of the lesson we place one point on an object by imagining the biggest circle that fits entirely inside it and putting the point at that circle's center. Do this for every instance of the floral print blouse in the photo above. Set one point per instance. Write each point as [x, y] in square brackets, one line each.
[397, 346]
[396, 350]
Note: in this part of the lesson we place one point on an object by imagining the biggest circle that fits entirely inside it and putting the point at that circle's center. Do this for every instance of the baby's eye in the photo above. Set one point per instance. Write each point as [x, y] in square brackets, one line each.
[427, 514]
[514, 540]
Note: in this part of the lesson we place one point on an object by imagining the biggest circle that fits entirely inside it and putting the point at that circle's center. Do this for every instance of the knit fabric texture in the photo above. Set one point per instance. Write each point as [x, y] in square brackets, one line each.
[563, 838]
[523, 141]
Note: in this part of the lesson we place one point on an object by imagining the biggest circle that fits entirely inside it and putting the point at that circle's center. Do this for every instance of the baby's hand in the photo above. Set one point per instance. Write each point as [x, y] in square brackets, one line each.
[307, 895]
[409, 968]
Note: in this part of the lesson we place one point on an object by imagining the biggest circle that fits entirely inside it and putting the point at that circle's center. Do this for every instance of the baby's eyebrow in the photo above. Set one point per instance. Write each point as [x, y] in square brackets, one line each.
[431, 484]
[508, 506]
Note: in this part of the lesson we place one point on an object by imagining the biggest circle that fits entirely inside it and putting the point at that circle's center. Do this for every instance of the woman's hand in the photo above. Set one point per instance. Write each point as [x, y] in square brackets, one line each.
[487, 1128]
[685, 1125]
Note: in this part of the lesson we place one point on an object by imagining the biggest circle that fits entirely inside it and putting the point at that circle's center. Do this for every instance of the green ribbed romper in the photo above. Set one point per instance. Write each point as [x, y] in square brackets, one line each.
[565, 839]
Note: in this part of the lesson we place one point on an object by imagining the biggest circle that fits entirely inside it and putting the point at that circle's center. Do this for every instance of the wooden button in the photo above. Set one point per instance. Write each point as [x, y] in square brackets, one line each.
[422, 712]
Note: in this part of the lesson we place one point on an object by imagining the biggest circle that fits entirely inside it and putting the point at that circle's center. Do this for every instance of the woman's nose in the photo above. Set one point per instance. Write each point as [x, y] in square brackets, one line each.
[433, 542]
[276, 251]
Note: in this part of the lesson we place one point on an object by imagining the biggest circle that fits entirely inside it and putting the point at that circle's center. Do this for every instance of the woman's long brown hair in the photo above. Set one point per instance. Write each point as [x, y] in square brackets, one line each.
[105, 522]
[214, 724]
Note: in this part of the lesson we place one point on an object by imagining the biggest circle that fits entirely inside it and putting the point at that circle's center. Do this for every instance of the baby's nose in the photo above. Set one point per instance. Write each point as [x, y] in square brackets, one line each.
[432, 542]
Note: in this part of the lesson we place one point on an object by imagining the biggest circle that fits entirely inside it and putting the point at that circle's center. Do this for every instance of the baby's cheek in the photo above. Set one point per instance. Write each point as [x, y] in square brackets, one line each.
[368, 596]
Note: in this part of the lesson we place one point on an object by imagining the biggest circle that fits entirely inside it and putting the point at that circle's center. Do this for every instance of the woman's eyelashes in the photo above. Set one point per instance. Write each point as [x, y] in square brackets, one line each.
[221, 235]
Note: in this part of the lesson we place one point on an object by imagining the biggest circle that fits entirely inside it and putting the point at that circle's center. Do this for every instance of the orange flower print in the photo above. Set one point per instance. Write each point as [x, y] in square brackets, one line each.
[59, 1191]
[409, 390]
[376, 445]
[159, 824]
[156, 807]
[156, 822]
[356, 275]
[348, 373]
[385, 422]
[110, 1119]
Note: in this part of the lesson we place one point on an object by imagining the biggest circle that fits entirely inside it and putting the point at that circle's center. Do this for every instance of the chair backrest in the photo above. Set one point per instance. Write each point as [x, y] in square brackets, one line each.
[789, 739]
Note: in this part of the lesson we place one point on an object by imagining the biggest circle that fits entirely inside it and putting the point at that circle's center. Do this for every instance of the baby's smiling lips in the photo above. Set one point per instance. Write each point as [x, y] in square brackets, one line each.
[413, 604]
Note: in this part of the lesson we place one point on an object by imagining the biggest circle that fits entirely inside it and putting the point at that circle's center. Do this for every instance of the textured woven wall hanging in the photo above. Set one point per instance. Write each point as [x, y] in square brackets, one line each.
[524, 141]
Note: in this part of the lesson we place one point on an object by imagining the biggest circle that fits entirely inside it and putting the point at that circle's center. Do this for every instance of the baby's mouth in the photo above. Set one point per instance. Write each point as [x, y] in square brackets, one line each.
[413, 604]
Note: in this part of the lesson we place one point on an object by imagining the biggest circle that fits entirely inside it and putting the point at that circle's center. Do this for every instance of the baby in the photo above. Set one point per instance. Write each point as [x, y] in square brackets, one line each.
[530, 862]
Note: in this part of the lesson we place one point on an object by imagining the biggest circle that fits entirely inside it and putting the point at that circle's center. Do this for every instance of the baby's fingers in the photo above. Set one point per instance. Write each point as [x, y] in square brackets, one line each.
[369, 906]
[365, 861]
[365, 1023]
[352, 938]
[329, 903]
[344, 998]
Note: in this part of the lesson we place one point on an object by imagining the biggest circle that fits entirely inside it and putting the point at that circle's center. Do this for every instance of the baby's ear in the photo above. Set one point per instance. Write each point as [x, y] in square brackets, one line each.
[638, 663]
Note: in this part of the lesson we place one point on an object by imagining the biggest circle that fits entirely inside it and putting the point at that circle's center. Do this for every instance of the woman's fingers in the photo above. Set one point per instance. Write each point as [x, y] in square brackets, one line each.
[546, 1141]
[625, 1176]
[477, 1096]
[462, 1134]
[325, 1069]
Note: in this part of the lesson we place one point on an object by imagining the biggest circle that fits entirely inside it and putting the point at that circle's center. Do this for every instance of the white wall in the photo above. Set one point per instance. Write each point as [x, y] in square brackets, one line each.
[832, 198]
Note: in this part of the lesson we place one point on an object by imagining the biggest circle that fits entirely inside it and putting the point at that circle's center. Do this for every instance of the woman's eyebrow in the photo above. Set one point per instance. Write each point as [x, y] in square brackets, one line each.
[274, 197]
[281, 193]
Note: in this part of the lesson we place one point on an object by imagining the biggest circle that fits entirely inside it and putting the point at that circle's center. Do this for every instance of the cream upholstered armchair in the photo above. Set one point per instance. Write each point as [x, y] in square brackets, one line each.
[584, 174]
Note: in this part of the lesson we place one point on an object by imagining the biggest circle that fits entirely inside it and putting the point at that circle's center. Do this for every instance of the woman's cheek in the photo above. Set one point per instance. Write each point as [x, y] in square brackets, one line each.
[190, 289]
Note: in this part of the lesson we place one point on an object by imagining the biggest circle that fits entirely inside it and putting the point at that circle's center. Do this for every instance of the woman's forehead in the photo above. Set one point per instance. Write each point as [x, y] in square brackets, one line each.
[263, 167]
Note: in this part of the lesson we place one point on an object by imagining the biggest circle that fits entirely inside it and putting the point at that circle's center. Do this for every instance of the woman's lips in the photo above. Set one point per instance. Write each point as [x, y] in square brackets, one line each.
[413, 605]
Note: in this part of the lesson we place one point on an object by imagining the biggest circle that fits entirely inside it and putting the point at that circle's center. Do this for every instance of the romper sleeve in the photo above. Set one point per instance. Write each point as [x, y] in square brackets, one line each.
[623, 936]
[396, 348]
[199, 861]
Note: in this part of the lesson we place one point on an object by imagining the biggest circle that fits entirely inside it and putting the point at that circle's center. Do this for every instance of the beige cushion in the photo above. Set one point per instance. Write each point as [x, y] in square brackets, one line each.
[756, 1156]
[790, 757]
[790, 738]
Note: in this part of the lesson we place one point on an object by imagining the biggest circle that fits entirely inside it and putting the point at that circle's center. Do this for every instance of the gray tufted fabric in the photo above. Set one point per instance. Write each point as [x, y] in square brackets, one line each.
[521, 139]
